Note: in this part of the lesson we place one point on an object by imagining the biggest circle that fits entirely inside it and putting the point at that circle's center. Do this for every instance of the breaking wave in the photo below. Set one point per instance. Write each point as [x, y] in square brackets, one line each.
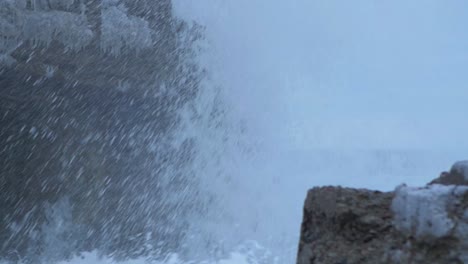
[216, 118]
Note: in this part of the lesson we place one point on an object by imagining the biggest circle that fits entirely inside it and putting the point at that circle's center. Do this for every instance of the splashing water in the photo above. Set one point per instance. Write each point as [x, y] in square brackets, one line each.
[306, 104]
[290, 103]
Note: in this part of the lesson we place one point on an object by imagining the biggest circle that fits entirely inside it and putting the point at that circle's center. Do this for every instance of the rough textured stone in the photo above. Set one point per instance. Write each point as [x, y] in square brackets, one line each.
[343, 225]
[410, 225]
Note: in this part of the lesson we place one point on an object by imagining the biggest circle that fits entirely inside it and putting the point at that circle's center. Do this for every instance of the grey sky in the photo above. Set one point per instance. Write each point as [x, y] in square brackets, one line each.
[390, 74]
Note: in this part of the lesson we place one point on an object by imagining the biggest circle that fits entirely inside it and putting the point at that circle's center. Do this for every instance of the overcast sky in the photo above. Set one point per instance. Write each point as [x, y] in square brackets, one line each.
[366, 74]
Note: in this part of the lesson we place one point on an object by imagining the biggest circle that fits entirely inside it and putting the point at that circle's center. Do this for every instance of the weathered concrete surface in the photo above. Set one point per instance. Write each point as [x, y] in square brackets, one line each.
[343, 225]
[410, 225]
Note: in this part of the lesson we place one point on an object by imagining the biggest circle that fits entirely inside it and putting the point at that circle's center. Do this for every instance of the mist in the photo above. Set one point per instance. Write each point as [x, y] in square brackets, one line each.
[273, 98]
[367, 94]
[367, 75]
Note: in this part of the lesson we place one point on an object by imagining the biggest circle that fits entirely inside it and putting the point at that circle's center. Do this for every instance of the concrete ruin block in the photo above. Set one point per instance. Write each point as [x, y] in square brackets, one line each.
[409, 225]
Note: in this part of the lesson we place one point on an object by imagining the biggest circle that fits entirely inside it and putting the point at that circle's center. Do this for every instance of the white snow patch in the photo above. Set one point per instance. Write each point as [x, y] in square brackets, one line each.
[422, 212]
[461, 167]
[69, 29]
[120, 30]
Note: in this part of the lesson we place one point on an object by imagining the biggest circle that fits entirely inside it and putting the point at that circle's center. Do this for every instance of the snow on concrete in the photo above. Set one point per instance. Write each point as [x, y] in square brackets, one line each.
[461, 167]
[424, 212]
[68, 28]
[120, 30]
